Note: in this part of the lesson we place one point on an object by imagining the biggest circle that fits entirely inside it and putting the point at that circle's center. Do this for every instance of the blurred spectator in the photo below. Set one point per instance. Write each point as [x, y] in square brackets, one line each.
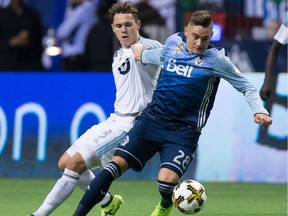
[167, 9]
[100, 44]
[212, 5]
[4, 3]
[272, 28]
[265, 32]
[20, 38]
[152, 22]
[267, 10]
[148, 9]
[280, 39]
[72, 33]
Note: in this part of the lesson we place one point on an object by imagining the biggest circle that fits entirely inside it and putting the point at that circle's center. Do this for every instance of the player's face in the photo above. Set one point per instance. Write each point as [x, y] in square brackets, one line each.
[197, 38]
[126, 29]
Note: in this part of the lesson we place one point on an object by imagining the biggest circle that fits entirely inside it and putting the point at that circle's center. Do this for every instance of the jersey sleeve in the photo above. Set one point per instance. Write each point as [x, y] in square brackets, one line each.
[153, 56]
[156, 56]
[282, 34]
[224, 68]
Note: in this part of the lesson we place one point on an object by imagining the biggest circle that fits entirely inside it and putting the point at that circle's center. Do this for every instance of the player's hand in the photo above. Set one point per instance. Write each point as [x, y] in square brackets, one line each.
[137, 51]
[265, 91]
[263, 119]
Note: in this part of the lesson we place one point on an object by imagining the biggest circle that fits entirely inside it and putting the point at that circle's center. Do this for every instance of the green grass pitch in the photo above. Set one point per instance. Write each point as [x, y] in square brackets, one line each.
[20, 197]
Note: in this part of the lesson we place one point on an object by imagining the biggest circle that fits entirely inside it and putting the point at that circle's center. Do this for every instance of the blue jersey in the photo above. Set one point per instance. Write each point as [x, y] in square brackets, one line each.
[188, 84]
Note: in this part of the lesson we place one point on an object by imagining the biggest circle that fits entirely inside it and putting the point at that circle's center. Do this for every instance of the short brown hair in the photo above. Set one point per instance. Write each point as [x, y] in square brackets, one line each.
[201, 17]
[123, 8]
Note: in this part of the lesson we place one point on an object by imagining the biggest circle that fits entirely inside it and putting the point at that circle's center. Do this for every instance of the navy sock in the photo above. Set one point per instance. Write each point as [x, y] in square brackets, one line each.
[98, 188]
[166, 190]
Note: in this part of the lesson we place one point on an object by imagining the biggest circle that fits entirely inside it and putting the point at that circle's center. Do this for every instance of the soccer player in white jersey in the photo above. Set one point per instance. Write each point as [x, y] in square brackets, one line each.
[280, 39]
[135, 83]
[171, 124]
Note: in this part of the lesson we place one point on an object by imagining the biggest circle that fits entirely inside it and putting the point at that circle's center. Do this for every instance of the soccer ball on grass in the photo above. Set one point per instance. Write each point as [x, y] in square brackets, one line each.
[189, 197]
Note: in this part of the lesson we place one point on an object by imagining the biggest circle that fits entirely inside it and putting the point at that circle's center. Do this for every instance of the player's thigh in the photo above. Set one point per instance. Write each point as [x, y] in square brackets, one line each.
[176, 153]
[176, 158]
[97, 145]
[139, 145]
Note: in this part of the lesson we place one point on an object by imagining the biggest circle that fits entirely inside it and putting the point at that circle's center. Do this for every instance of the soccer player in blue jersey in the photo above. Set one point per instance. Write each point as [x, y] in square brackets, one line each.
[171, 124]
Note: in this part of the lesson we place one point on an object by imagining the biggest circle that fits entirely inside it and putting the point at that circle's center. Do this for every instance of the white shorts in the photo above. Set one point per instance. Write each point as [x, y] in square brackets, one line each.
[97, 145]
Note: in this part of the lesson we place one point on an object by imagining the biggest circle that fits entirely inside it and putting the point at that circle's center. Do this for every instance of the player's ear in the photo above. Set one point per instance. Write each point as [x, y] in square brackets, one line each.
[211, 29]
[112, 26]
[139, 24]
[185, 31]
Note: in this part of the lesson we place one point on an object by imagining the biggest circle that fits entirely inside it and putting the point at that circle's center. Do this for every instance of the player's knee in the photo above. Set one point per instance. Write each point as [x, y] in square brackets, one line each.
[76, 165]
[122, 163]
[62, 164]
[168, 175]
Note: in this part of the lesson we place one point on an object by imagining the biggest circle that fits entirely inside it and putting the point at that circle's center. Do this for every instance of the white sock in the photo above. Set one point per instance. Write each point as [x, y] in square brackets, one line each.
[106, 199]
[59, 193]
[85, 179]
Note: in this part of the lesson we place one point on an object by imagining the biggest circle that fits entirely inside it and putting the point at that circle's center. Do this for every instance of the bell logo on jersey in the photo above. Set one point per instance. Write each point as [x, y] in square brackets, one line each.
[183, 70]
[124, 141]
[125, 67]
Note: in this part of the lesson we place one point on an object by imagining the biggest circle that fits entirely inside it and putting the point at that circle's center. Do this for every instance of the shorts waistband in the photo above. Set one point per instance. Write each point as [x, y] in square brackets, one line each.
[126, 114]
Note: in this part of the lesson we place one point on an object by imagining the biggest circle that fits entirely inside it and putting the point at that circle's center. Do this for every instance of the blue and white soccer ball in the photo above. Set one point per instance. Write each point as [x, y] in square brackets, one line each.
[189, 197]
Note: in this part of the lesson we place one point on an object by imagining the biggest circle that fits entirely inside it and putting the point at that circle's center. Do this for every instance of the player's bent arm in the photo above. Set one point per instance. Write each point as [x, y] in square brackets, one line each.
[271, 61]
[272, 58]
[153, 56]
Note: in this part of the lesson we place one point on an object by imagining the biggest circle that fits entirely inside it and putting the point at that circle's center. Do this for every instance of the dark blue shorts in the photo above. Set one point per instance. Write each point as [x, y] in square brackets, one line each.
[175, 144]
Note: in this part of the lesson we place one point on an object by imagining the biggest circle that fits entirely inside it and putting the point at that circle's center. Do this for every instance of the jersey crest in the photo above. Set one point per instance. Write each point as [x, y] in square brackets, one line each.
[125, 141]
[199, 60]
[125, 67]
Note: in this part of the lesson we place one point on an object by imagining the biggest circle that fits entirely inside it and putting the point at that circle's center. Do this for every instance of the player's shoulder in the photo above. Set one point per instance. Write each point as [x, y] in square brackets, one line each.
[149, 43]
[175, 42]
[118, 53]
[176, 38]
[217, 50]
[222, 61]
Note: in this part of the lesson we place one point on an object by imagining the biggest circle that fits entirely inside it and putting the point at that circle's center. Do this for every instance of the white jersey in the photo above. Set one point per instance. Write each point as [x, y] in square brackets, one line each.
[135, 82]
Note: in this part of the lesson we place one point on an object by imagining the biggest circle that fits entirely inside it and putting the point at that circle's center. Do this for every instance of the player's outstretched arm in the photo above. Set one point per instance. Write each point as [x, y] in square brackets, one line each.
[263, 119]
